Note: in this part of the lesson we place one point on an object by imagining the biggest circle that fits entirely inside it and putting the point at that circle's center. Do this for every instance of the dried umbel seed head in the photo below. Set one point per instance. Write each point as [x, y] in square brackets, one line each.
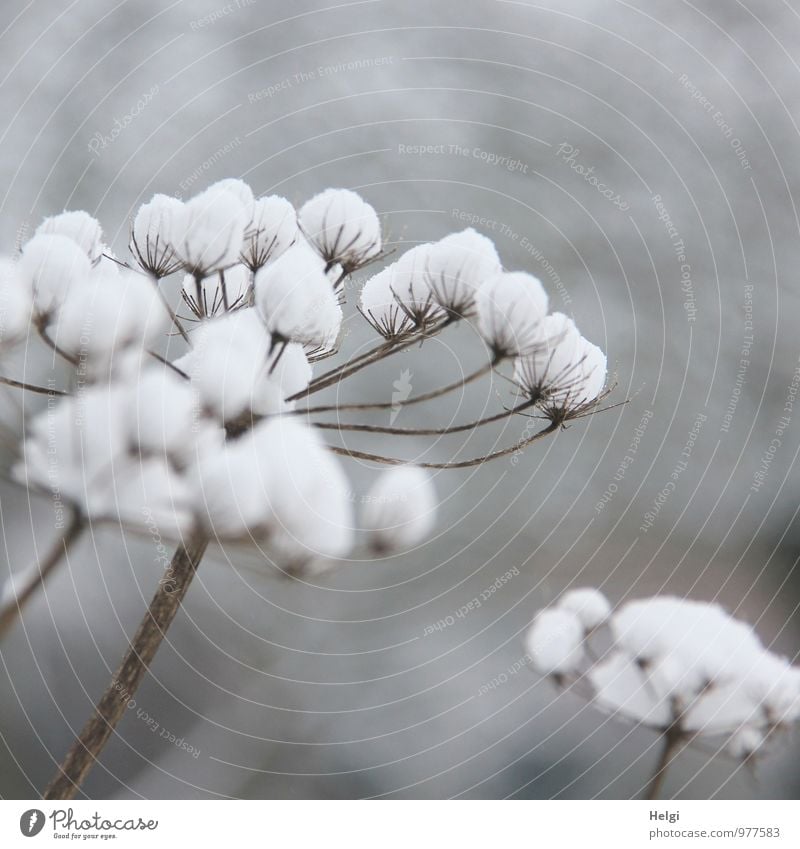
[208, 234]
[381, 308]
[295, 298]
[241, 191]
[457, 266]
[552, 368]
[555, 642]
[151, 231]
[511, 307]
[400, 509]
[272, 231]
[79, 226]
[410, 284]
[51, 266]
[342, 227]
[220, 292]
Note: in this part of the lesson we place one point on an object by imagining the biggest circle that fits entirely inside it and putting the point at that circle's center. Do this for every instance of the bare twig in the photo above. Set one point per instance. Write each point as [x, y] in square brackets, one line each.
[673, 739]
[456, 464]
[31, 387]
[143, 647]
[20, 588]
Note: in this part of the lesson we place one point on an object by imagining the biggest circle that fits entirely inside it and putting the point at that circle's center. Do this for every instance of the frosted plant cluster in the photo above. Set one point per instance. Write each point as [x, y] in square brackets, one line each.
[684, 668]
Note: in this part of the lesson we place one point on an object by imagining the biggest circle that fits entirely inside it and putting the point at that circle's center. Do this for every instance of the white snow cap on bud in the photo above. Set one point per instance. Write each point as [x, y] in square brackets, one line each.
[16, 303]
[400, 509]
[273, 230]
[151, 234]
[79, 226]
[342, 227]
[511, 309]
[106, 315]
[555, 642]
[220, 292]
[279, 483]
[594, 373]
[458, 265]
[233, 371]
[589, 605]
[551, 371]
[241, 191]
[296, 299]
[80, 446]
[380, 306]
[411, 285]
[208, 232]
[51, 266]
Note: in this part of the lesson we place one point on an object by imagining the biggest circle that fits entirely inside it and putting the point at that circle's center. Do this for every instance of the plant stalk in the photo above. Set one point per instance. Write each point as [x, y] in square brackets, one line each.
[112, 706]
[673, 738]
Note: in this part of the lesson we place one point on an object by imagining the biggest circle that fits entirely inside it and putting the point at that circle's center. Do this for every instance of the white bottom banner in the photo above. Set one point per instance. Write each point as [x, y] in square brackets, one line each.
[390, 824]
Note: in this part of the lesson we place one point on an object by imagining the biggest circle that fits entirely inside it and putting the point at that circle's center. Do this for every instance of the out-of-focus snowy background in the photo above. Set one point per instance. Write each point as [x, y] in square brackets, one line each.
[686, 112]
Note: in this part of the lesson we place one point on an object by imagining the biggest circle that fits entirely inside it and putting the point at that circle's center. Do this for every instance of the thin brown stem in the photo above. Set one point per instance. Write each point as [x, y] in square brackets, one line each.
[672, 741]
[48, 340]
[417, 399]
[112, 706]
[176, 322]
[31, 387]
[422, 431]
[455, 464]
[21, 588]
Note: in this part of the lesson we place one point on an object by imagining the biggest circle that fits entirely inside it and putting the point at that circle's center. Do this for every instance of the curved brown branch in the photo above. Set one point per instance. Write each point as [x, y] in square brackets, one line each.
[420, 431]
[456, 464]
[31, 387]
[143, 647]
[21, 587]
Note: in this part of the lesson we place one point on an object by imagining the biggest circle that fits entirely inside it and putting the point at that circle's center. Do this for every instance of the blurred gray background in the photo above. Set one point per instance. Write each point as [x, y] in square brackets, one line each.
[330, 688]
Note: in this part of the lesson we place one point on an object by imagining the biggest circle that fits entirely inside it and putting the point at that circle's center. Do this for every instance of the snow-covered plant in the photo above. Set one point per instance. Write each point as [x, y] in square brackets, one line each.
[194, 420]
[686, 669]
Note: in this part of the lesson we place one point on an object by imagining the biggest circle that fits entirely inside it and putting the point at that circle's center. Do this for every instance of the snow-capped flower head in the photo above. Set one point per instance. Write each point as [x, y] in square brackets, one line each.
[590, 606]
[511, 308]
[552, 370]
[16, 304]
[296, 300]
[51, 267]
[161, 418]
[400, 509]
[554, 642]
[273, 230]
[342, 227]
[381, 308]
[106, 315]
[79, 226]
[594, 371]
[220, 292]
[80, 449]
[151, 234]
[278, 484]
[208, 232]
[235, 369]
[457, 266]
[686, 667]
[411, 286]
[241, 191]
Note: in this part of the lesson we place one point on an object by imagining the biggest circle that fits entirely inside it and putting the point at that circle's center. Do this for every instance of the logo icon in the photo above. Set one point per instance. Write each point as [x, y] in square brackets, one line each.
[31, 822]
[402, 389]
